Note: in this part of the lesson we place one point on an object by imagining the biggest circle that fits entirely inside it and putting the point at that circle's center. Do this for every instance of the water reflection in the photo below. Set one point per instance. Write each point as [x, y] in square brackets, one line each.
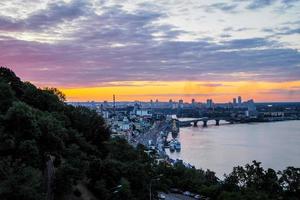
[219, 148]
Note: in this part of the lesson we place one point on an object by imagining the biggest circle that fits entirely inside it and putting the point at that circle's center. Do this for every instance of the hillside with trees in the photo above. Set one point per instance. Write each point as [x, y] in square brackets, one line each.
[51, 150]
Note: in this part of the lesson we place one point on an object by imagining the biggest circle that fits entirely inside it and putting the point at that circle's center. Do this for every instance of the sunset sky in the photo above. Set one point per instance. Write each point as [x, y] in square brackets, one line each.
[162, 49]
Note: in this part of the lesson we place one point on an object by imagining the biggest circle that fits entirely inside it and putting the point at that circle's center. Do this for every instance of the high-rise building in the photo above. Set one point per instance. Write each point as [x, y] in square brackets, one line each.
[239, 100]
[209, 103]
[234, 101]
[193, 103]
[170, 103]
[180, 103]
[250, 105]
[114, 103]
[251, 108]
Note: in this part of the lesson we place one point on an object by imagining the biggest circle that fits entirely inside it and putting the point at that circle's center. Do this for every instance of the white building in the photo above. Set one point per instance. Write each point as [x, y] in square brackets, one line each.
[143, 113]
[105, 114]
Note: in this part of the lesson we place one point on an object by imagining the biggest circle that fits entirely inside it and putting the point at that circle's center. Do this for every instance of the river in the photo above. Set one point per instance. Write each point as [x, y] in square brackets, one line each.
[219, 148]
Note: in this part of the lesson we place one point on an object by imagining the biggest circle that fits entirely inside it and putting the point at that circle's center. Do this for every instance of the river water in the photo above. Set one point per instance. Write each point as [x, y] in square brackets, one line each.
[219, 148]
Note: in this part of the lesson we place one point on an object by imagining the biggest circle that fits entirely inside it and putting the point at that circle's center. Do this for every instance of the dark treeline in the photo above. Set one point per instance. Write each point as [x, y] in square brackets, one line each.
[36, 127]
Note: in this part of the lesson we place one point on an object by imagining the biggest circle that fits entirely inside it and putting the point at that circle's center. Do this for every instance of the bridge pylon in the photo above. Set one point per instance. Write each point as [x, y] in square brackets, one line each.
[204, 123]
[195, 123]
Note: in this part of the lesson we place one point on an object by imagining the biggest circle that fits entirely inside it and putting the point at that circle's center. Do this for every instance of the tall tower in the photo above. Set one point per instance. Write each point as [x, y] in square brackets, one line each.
[114, 103]
[151, 104]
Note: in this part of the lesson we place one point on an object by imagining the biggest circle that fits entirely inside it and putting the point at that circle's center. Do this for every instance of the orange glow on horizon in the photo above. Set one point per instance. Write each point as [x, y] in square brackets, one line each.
[187, 90]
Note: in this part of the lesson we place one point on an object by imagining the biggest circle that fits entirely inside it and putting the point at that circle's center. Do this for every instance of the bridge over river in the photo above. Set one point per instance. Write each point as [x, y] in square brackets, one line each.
[204, 120]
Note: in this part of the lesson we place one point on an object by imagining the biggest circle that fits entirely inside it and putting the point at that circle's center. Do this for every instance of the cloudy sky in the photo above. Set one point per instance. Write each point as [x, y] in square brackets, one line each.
[162, 49]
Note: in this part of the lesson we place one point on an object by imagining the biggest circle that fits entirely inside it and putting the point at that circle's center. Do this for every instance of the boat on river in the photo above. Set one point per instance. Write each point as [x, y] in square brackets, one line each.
[174, 145]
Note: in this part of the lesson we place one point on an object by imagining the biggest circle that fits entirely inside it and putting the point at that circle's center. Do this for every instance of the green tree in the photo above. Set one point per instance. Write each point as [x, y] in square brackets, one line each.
[89, 123]
[124, 192]
[100, 190]
[28, 150]
[52, 134]
[19, 182]
[6, 97]
[64, 177]
[45, 100]
[290, 182]
[61, 96]
[20, 122]
[9, 77]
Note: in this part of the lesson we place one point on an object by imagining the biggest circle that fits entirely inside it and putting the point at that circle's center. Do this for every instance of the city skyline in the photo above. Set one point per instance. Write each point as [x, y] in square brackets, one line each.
[142, 50]
[233, 102]
[222, 94]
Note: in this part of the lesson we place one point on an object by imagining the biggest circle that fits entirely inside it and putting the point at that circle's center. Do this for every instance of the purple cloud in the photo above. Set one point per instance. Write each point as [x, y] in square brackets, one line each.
[54, 14]
[118, 45]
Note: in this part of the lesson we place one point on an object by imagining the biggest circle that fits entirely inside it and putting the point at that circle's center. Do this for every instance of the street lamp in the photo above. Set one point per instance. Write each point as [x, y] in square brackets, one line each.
[157, 178]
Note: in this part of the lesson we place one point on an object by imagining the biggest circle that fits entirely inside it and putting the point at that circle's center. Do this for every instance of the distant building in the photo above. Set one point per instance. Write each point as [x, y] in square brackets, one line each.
[180, 103]
[234, 101]
[273, 114]
[125, 124]
[193, 103]
[251, 109]
[174, 105]
[105, 114]
[239, 100]
[105, 104]
[250, 105]
[209, 103]
[143, 113]
[170, 103]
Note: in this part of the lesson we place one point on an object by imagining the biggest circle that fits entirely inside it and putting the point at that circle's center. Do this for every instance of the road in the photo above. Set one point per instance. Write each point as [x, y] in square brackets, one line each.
[153, 134]
[50, 172]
